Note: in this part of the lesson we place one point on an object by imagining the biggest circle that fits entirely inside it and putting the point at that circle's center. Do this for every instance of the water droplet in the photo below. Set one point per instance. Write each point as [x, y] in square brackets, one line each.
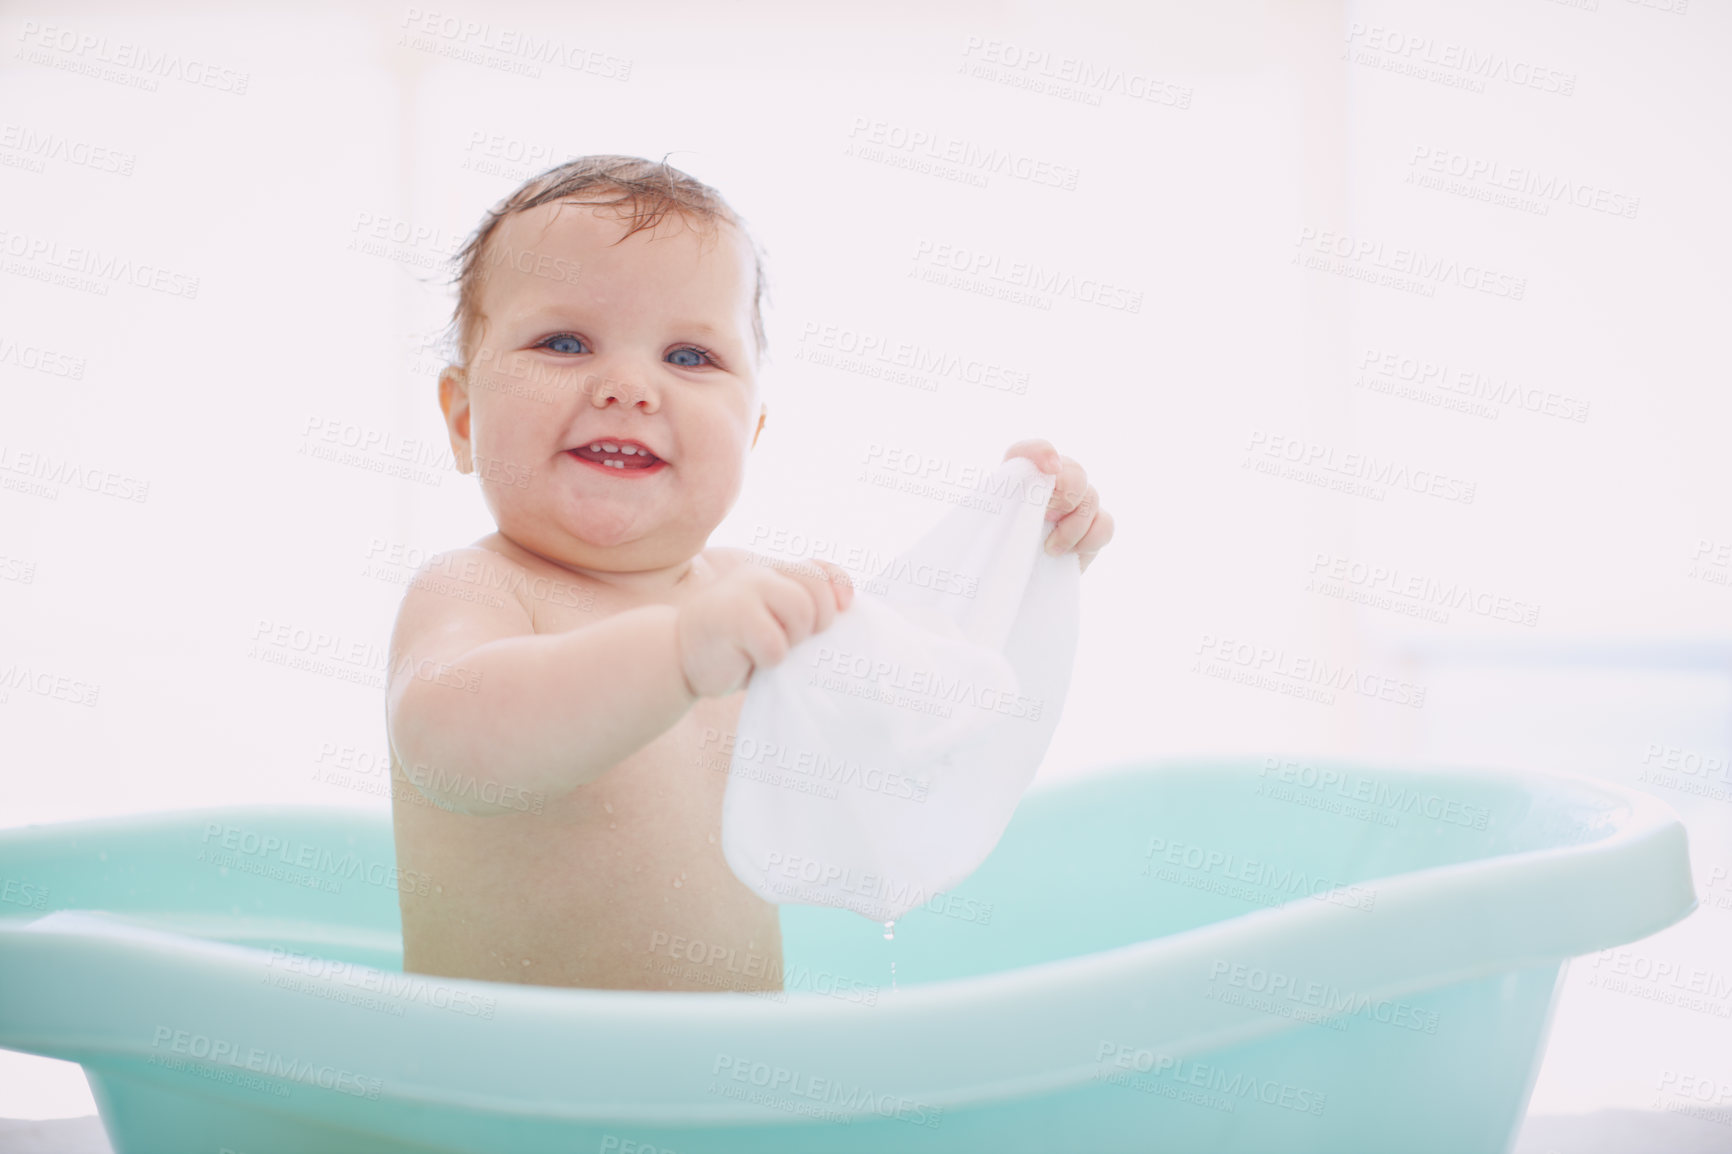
[613, 825]
[712, 839]
[890, 936]
[438, 889]
[607, 805]
[678, 883]
[526, 961]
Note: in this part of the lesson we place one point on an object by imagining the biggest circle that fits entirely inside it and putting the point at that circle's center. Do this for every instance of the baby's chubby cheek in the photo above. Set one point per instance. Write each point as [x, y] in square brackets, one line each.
[715, 488]
[717, 447]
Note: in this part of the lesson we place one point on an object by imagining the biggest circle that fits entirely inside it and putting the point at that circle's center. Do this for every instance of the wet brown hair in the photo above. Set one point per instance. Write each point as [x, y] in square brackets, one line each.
[647, 189]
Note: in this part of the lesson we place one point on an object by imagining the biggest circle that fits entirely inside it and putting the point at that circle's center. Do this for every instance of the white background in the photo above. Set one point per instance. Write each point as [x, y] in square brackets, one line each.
[1274, 122]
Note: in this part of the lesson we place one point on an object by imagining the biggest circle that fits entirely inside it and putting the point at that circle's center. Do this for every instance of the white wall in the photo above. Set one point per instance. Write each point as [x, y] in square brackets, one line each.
[1272, 123]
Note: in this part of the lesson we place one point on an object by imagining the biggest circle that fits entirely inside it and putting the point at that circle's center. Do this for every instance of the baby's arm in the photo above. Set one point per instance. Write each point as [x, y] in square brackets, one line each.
[475, 694]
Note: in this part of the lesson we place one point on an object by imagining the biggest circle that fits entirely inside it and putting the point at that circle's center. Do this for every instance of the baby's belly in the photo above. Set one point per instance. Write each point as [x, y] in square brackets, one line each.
[619, 884]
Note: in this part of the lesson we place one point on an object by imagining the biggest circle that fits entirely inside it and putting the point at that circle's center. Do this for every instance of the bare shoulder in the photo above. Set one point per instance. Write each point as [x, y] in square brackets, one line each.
[478, 576]
[456, 601]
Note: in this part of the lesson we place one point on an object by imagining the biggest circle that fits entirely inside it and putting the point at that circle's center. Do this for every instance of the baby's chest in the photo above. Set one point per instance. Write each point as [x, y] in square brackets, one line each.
[697, 750]
[686, 764]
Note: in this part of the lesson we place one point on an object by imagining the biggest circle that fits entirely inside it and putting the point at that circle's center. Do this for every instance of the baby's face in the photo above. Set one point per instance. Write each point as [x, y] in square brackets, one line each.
[647, 342]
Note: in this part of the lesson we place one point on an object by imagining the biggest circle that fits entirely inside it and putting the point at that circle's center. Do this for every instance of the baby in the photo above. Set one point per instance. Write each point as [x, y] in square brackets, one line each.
[553, 683]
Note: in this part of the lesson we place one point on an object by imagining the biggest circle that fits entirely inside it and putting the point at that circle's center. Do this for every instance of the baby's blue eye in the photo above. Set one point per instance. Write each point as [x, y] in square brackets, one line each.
[694, 351]
[553, 342]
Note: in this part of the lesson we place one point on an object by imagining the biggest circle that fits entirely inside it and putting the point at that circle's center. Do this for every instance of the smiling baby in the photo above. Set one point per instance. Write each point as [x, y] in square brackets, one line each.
[605, 396]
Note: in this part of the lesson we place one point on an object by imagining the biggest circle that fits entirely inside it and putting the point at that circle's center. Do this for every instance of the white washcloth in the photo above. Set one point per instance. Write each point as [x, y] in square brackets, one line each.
[878, 764]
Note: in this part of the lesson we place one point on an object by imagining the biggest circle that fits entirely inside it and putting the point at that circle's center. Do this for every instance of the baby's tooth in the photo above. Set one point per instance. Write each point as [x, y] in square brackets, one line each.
[610, 446]
[627, 450]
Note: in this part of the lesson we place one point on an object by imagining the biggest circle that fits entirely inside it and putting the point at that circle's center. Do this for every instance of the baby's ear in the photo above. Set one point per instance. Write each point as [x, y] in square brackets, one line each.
[454, 403]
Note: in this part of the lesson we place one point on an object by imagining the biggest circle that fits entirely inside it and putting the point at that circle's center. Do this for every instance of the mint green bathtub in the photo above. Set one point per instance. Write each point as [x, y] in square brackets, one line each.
[1254, 956]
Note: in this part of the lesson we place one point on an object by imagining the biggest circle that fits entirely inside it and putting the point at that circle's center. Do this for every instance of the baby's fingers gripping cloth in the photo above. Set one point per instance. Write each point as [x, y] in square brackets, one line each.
[878, 764]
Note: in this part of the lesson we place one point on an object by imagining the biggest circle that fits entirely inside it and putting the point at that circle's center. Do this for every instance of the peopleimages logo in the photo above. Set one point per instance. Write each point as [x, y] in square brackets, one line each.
[89, 51]
[38, 147]
[394, 986]
[1259, 988]
[45, 684]
[867, 347]
[41, 360]
[828, 767]
[105, 267]
[1545, 188]
[240, 848]
[1388, 586]
[45, 467]
[1468, 384]
[1233, 1085]
[1269, 667]
[1069, 77]
[222, 1051]
[927, 690]
[795, 874]
[1351, 785]
[1366, 255]
[873, 566]
[18, 892]
[894, 460]
[1469, 63]
[513, 49]
[847, 1098]
[975, 159]
[1025, 275]
[1353, 466]
[1285, 880]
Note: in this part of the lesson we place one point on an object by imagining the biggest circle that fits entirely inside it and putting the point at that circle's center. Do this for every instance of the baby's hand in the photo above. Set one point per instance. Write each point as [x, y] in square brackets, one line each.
[1082, 524]
[749, 618]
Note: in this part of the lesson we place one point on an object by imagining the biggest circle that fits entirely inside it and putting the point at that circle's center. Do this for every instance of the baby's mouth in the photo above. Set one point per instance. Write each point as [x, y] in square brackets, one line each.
[624, 456]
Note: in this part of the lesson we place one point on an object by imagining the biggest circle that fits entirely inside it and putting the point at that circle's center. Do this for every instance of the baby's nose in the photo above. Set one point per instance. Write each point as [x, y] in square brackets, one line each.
[605, 387]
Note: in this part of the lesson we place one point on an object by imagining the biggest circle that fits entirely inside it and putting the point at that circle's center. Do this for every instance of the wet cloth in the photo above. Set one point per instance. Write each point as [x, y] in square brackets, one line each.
[879, 762]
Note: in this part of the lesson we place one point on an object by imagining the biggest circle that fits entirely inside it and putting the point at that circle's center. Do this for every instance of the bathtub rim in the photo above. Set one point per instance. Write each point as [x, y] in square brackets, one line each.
[1648, 818]
[1052, 990]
